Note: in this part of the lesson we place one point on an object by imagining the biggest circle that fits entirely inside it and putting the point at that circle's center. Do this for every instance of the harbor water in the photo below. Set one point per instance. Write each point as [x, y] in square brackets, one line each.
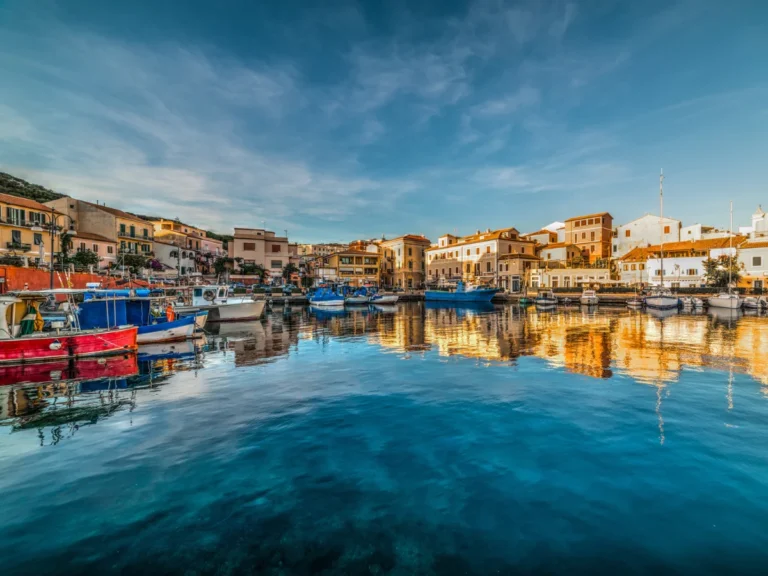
[408, 439]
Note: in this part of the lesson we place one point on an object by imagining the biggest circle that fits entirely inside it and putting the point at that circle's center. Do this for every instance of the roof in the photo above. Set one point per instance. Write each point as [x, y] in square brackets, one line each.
[353, 251]
[411, 237]
[557, 245]
[589, 216]
[542, 231]
[697, 245]
[481, 237]
[747, 245]
[116, 212]
[90, 236]
[23, 202]
[639, 254]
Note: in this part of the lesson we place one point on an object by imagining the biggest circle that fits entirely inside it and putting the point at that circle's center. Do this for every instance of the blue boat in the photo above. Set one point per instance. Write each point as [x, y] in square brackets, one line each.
[326, 297]
[462, 294]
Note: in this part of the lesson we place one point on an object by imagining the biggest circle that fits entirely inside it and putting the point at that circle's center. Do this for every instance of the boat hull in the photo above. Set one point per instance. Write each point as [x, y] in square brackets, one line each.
[327, 303]
[46, 348]
[201, 317]
[229, 312]
[470, 296]
[385, 299]
[662, 302]
[70, 370]
[357, 300]
[589, 301]
[172, 331]
[545, 302]
[726, 303]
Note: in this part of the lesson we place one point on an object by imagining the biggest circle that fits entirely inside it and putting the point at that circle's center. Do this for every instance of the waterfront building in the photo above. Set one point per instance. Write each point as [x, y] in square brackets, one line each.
[701, 232]
[474, 258]
[351, 266]
[562, 252]
[543, 237]
[404, 261]
[545, 276]
[102, 246]
[17, 217]
[753, 259]
[592, 233]
[684, 261]
[631, 267]
[262, 247]
[644, 231]
[132, 234]
[319, 250]
[513, 268]
[177, 260]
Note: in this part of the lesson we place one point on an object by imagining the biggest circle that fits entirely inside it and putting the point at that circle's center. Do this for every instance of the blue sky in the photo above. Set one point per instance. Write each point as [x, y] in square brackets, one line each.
[341, 120]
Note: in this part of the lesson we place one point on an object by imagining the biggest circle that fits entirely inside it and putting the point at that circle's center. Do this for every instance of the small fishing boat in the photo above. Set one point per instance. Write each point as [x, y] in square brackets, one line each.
[589, 298]
[220, 306]
[358, 297]
[22, 339]
[545, 299]
[726, 300]
[662, 299]
[635, 303]
[752, 303]
[327, 298]
[463, 293]
[692, 303]
[384, 299]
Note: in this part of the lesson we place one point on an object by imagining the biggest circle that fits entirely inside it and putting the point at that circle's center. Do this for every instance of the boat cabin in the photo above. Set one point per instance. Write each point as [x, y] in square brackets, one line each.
[208, 295]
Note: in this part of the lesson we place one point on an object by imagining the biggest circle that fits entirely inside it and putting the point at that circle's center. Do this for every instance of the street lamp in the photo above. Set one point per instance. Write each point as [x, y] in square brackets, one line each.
[52, 227]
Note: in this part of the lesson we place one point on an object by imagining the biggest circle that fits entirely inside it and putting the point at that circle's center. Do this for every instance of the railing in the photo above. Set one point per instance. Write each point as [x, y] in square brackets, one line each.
[135, 236]
[18, 246]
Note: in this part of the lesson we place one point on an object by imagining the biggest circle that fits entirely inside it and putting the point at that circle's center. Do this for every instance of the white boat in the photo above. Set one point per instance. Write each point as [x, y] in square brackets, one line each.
[221, 307]
[359, 297]
[752, 303]
[545, 299]
[662, 299]
[170, 331]
[725, 300]
[692, 303]
[589, 298]
[635, 303]
[326, 298]
[384, 299]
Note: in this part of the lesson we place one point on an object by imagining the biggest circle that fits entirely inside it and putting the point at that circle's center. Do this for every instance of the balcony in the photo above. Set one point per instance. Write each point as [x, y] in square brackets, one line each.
[18, 246]
[134, 236]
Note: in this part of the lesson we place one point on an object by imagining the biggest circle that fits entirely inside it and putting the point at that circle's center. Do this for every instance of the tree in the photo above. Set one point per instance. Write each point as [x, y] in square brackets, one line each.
[134, 262]
[289, 270]
[84, 258]
[252, 270]
[716, 271]
[221, 264]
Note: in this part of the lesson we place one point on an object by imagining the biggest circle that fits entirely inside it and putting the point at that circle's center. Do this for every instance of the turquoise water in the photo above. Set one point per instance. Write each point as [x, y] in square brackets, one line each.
[407, 440]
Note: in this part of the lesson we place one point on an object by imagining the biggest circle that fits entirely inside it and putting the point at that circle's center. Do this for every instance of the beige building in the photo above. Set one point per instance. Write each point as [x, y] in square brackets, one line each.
[404, 261]
[132, 234]
[350, 266]
[513, 269]
[102, 246]
[592, 234]
[319, 250]
[542, 237]
[576, 278]
[474, 258]
[17, 218]
[559, 252]
[262, 247]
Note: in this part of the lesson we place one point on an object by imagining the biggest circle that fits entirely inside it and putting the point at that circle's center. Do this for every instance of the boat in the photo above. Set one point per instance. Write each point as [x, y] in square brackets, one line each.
[589, 298]
[661, 298]
[727, 299]
[325, 297]
[70, 370]
[545, 299]
[23, 341]
[463, 293]
[752, 303]
[168, 331]
[359, 296]
[384, 299]
[636, 302]
[692, 303]
[220, 306]
[201, 317]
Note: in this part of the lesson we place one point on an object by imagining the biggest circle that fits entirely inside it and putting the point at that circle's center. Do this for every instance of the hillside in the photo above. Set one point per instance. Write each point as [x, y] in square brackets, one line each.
[18, 187]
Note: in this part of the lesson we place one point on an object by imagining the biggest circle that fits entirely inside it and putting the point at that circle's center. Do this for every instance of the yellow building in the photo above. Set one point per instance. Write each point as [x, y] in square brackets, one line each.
[404, 261]
[354, 267]
[17, 218]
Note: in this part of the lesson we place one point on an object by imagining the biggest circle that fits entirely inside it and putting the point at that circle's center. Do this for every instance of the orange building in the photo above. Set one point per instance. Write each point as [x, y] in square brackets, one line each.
[592, 234]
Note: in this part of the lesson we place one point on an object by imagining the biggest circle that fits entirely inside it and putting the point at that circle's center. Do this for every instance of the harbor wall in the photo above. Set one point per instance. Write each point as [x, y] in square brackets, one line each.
[16, 278]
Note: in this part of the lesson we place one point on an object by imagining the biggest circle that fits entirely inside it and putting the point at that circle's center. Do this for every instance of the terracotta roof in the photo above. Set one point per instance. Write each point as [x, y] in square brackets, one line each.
[589, 216]
[90, 236]
[542, 231]
[747, 245]
[23, 202]
[412, 237]
[353, 251]
[116, 212]
[639, 254]
[518, 255]
[697, 245]
[557, 245]
[482, 237]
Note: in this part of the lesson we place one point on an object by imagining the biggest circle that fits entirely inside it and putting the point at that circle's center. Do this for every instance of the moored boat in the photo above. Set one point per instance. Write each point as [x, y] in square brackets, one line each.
[384, 299]
[220, 306]
[752, 303]
[545, 299]
[462, 293]
[359, 296]
[726, 300]
[326, 298]
[636, 302]
[692, 303]
[589, 298]
[23, 341]
[662, 299]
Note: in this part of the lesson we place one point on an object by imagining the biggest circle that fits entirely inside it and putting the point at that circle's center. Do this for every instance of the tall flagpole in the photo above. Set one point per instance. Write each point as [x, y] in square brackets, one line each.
[661, 222]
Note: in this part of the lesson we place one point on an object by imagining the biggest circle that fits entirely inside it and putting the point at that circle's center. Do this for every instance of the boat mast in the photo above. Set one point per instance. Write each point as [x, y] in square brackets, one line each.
[661, 223]
[730, 249]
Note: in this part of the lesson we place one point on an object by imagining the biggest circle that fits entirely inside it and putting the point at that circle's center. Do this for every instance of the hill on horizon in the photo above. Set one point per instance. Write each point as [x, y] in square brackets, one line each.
[15, 186]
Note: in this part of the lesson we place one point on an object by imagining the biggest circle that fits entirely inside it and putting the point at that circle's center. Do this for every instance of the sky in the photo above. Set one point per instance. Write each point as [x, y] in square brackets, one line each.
[343, 120]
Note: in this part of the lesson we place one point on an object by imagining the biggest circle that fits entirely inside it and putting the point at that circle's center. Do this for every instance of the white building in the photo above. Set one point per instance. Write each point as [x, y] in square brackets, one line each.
[632, 265]
[644, 231]
[567, 277]
[759, 225]
[696, 232]
[175, 259]
[559, 252]
[753, 258]
[684, 261]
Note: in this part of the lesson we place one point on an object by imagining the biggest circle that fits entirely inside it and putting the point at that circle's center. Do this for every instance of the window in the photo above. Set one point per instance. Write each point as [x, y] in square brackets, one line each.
[410, 252]
[616, 233]
[614, 248]
[410, 264]
[95, 248]
[592, 249]
[591, 221]
[627, 233]
[133, 231]
[37, 217]
[15, 215]
[633, 266]
[82, 247]
[487, 266]
[345, 260]
[477, 250]
[575, 237]
[442, 271]
[16, 236]
[249, 246]
[38, 239]
[509, 249]
[487, 249]
[468, 268]
[146, 233]
[145, 248]
[757, 261]
[122, 229]
[592, 236]
[522, 250]
[110, 250]
[692, 272]
[276, 264]
[275, 248]
[501, 267]
[583, 235]
[467, 251]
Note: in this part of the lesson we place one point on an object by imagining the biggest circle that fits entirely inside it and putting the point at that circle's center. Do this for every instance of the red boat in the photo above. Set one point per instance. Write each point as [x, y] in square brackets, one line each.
[70, 370]
[21, 344]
